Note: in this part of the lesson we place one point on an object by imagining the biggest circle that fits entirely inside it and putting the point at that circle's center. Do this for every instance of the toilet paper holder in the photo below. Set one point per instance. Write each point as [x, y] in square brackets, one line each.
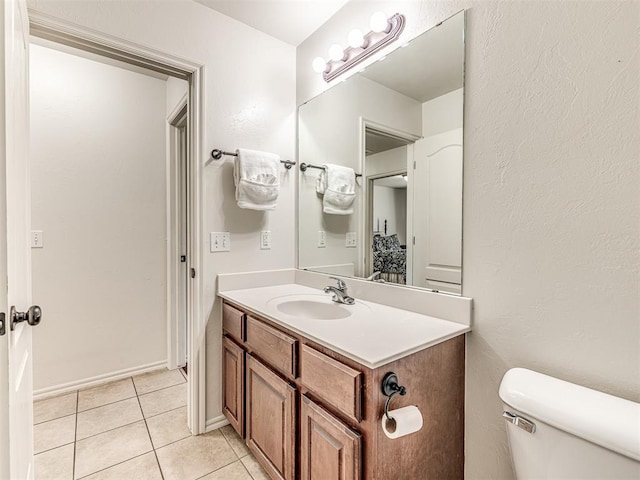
[390, 387]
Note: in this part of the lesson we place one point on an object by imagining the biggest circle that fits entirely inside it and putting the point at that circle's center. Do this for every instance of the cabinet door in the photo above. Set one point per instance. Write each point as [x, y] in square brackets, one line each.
[329, 449]
[271, 430]
[233, 384]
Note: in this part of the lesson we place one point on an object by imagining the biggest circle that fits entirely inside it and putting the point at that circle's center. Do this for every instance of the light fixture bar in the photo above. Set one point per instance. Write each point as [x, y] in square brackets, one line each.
[373, 41]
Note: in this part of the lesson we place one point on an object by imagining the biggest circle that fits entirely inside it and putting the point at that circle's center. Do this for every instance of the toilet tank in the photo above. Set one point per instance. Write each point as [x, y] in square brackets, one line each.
[559, 430]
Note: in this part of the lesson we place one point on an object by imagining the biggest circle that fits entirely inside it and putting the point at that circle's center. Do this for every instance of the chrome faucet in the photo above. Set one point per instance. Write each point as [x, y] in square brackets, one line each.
[339, 292]
[374, 277]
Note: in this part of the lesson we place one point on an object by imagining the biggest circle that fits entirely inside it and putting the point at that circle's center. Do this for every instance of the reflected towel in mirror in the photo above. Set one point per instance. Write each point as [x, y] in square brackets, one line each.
[339, 184]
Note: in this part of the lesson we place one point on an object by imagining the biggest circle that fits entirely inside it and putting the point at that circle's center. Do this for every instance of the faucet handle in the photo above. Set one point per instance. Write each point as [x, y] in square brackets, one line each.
[341, 284]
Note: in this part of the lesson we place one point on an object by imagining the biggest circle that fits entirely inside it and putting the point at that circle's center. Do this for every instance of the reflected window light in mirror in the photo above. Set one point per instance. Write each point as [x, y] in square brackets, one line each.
[360, 47]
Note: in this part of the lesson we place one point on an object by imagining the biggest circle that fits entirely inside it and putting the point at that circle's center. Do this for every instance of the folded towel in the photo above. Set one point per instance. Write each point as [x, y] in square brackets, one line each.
[340, 189]
[321, 182]
[257, 178]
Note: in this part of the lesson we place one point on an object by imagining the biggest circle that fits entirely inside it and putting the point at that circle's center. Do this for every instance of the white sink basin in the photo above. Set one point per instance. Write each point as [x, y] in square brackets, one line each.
[315, 307]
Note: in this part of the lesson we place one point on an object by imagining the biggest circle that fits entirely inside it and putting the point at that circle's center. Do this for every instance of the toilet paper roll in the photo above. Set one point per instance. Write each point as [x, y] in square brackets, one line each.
[403, 421]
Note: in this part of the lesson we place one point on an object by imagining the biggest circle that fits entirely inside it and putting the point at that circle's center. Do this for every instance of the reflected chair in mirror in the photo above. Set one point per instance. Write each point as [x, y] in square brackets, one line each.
[389, 258]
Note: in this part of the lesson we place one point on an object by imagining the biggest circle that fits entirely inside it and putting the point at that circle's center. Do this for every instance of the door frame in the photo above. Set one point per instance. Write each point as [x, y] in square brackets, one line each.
[366, 254]
[176, 329]
[368, 221]
[77, 36]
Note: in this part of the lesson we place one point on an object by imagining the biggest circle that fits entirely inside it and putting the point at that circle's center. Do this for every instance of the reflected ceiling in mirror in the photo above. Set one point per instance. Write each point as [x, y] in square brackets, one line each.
[399, 123]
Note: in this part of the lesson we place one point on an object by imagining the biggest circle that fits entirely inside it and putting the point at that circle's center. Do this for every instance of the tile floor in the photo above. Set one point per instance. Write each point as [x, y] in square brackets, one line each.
[134, 428]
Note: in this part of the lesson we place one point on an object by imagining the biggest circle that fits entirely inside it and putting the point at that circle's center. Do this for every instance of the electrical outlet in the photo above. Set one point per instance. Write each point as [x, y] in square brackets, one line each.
[37, 239]
[351, 240]
[220, 241]
[265, 240]
[322, 239]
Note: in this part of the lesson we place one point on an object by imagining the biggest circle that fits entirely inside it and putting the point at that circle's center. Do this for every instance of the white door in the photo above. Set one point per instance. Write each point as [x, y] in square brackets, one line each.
[16, 389]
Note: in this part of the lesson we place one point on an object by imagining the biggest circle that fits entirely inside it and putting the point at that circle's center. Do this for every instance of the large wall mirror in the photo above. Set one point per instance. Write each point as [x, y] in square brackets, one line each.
[398, 125]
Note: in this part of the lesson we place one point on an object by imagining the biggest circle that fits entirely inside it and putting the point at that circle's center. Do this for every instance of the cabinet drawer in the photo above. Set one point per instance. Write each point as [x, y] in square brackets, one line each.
[233, 322]
[334, 382]
[276, 348]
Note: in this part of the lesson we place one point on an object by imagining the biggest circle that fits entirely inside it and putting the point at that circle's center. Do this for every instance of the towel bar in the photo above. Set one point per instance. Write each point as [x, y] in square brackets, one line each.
[217, 154]
[304, 166]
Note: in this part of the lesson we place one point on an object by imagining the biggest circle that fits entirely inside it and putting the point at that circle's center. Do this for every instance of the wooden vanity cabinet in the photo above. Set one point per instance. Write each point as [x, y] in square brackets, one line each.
[313, 414]
[233, 384]
[329, 449]
[271, 420]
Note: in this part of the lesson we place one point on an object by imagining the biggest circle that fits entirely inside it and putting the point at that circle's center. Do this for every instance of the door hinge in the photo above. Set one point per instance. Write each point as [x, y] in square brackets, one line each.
[414, 164]
[193, 273]
[3, 324]
[183, 258]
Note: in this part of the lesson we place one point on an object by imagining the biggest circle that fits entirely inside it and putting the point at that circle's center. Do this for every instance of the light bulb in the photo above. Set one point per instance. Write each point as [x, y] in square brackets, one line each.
[378, 22]
[355, 38]
[335, 52]
[319, 64]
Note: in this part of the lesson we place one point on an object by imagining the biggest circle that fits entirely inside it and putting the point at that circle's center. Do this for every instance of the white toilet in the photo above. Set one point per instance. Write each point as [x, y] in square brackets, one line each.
[559, 430]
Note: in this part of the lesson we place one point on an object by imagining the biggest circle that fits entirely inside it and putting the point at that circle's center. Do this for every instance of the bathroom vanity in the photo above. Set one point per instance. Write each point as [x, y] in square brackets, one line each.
[304, 388]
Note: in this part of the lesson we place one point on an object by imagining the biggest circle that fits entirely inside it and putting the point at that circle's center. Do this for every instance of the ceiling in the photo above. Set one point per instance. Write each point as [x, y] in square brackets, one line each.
[394, 181]
[291, 21]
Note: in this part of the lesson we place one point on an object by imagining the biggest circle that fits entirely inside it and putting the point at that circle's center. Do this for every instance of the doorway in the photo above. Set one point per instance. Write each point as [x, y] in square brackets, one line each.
[178, 206]
[388, 168]
[110, 48]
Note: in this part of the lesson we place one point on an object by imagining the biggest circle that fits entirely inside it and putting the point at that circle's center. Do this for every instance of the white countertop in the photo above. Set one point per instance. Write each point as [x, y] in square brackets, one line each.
[373, 335]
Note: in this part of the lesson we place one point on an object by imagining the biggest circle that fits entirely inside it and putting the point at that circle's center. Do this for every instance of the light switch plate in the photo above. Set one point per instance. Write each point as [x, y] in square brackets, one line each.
[351, 240]
[265, 240]
[322, 239]
[220, 241]
[37, 239]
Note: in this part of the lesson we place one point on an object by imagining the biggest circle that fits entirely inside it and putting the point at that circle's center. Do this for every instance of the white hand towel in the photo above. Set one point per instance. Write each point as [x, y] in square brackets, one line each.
[257, 178]
[340, 191]
[321, 182]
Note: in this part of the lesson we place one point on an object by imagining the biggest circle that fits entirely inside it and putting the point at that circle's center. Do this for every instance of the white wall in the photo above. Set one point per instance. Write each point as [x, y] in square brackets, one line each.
[390, 204]
[250, 102]
[98, 195]
[551, 198]
[389, 161]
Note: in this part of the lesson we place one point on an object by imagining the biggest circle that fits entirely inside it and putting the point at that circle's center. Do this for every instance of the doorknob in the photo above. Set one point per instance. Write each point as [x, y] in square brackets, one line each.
[32, 316]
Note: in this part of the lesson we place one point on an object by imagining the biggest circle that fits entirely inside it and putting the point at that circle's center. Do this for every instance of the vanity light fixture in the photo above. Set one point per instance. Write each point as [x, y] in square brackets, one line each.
[383, 31]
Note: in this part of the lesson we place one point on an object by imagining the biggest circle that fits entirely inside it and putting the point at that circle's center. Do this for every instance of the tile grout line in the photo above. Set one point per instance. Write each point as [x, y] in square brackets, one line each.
[115, 428]
[128, 398]
[155, 454]
[75, 436]
[114, 465]
[54, 448]
[158, 389]
[108, 403]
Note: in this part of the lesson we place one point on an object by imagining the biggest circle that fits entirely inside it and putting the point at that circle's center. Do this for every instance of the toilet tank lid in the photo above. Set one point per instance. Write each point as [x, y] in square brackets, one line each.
[608, 421]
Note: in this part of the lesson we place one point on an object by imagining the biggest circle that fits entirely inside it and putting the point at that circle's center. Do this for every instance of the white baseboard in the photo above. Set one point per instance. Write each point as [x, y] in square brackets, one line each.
[97, 380]
[215, 423]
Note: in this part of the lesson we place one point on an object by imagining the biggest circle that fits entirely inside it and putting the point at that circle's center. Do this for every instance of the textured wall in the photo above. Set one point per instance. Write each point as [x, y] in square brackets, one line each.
[98, 194]
[551, 205]
[250, 102]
